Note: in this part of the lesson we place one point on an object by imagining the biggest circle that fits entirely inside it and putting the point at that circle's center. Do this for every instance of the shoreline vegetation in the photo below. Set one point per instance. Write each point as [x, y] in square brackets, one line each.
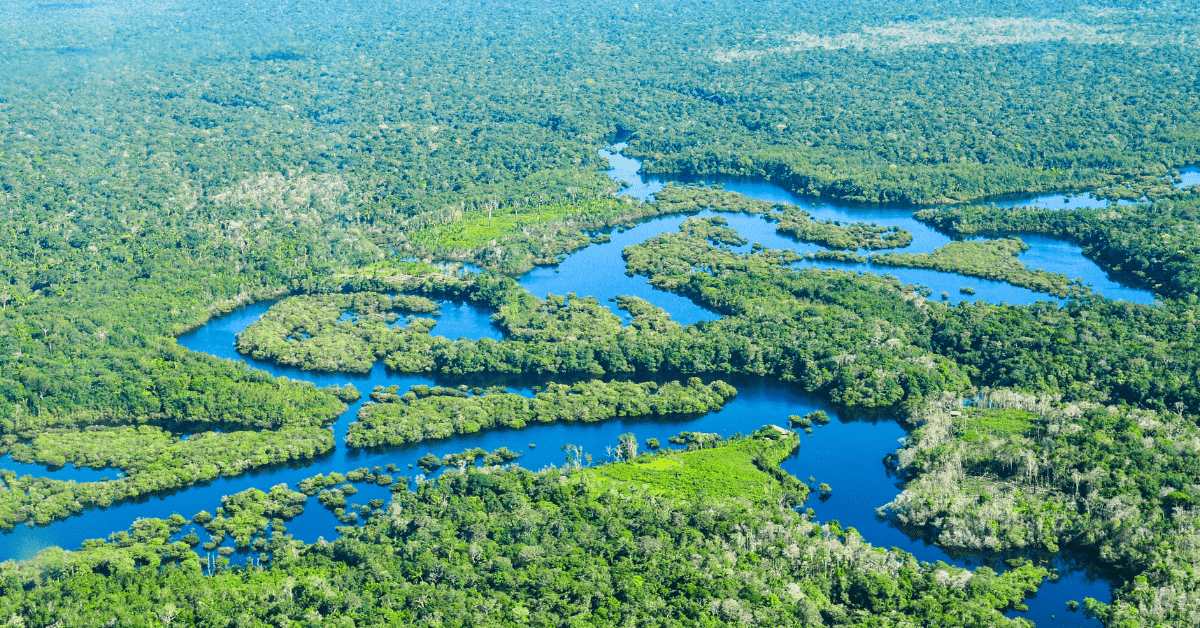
[789, 219]
[163, 167]
[1150, 245]
[620, 520]
[1016, 472]
[995, 260]
[694, 262]
[329, 332]
[392, 419]
[153, 461]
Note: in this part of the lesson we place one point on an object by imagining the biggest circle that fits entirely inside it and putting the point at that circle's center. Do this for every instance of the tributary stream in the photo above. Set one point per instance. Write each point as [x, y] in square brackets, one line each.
[848, 454]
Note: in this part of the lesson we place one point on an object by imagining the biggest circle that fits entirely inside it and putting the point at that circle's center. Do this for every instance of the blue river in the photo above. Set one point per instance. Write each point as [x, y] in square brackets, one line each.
[848, 454]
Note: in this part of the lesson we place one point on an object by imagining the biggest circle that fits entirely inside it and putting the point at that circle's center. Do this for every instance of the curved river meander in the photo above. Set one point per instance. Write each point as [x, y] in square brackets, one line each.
[848, 454]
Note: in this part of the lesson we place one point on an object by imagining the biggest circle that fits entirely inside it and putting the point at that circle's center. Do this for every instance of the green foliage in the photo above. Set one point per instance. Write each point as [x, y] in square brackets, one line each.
[988, 259]
[247, 514]
[1017, 472]
[741, 469]
[820, 417]
[153, 461]
[162, 384]
[502, 455]
[154, 174]
[347, 394]
[410, 303]
[442, 415]
[429, 463]
[1093, 349]
[313, 485]
[313, 332]
[532, 545]
[834, 235]
[526, 233]
[1148, 245]
[790, 220]
[696, 440]
[996, 421]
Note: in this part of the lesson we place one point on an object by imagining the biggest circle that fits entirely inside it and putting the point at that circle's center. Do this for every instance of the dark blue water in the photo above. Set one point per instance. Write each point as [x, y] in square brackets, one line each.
[599, 271]
[1044, 253]
[848, 454]
[461, 320]
[1188, 176]
[1060, 201]
[67, 472]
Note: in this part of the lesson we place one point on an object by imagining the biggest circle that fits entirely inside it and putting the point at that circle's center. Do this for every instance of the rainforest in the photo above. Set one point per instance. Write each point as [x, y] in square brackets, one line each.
[660, 313]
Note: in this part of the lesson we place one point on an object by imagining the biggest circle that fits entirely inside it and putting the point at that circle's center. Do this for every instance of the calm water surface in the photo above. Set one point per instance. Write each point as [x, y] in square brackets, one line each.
[1044, 253]
[848, 454]
[1188, 177]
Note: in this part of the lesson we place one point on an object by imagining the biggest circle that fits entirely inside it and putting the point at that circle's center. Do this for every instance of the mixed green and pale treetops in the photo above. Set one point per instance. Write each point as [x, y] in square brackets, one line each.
[164, 164]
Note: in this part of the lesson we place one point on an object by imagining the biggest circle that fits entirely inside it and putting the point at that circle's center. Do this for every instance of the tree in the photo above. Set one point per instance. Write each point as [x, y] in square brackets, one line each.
[628, 447]
[575, 456]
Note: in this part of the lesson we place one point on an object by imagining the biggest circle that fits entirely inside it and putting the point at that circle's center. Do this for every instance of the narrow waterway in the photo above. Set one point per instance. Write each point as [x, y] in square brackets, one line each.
[1044, 253]
[848, 454]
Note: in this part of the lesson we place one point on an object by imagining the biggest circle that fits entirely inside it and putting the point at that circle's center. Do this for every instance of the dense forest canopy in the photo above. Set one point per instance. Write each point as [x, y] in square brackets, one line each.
[162, 163]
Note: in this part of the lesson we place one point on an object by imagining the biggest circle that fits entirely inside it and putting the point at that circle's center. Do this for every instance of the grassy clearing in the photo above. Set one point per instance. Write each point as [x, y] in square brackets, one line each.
[515, 238]
[474, 228]
[997, 421]
[737, 469]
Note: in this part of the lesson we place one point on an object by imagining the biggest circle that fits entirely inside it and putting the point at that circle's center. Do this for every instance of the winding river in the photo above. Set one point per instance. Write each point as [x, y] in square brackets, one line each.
[848, 454]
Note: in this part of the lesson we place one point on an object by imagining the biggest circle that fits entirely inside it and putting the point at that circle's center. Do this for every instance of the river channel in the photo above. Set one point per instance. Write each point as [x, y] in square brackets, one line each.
[848, 453]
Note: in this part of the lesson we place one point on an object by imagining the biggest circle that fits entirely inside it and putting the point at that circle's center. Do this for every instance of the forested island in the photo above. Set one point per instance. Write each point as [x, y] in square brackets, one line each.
[364, 172]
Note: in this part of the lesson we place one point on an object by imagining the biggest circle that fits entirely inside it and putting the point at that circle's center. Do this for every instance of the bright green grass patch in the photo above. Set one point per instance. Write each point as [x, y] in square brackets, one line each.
[396, 266]
[722, 472]
[997, 421]
[474, 228]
